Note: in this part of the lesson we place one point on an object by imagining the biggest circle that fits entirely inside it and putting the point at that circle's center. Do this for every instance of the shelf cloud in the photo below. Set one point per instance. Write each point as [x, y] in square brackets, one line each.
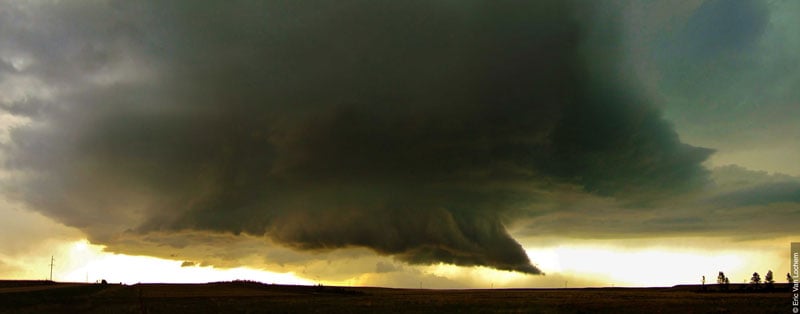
[416, 129]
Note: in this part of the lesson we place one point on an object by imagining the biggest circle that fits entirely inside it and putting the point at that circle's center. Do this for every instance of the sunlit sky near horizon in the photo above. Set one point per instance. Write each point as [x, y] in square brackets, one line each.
[434, 144]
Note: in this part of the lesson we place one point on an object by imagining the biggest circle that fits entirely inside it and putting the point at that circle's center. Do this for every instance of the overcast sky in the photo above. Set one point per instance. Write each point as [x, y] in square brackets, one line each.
[396, 134]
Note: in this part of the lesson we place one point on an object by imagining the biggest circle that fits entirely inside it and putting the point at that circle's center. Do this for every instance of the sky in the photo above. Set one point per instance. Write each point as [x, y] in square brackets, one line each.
[437, 144]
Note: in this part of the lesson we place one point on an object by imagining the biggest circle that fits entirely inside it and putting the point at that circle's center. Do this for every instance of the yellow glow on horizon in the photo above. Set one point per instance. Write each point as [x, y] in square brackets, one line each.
[485, 275]
[581, 263]
[84, 261]
[649, 266]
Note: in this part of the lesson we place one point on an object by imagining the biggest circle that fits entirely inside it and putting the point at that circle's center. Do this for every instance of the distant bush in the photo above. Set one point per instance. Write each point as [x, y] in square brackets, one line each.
[242, 282]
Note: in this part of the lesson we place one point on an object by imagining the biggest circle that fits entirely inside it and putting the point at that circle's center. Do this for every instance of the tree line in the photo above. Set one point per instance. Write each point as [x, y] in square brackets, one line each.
[755, 281]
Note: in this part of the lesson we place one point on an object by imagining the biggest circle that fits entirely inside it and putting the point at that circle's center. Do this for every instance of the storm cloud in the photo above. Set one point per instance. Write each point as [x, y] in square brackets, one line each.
[415, 129]
[727, 75]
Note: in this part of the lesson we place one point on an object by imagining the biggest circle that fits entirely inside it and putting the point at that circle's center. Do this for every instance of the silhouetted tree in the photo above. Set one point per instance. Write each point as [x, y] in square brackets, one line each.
[755, 280]
[722, 281]
[768, 279]
[789, 278]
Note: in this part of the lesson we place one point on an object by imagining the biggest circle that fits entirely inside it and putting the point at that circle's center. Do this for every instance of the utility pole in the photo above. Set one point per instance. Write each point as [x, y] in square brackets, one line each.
[51, 267]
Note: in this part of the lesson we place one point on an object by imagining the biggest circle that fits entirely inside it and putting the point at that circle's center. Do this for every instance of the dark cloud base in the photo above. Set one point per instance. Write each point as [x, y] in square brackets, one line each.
[411, 128]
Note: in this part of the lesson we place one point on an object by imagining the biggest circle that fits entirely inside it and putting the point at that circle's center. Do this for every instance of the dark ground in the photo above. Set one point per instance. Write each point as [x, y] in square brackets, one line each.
[249, 297]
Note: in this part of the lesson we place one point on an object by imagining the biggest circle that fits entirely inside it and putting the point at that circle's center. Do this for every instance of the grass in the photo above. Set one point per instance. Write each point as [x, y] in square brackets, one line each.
[251, 297]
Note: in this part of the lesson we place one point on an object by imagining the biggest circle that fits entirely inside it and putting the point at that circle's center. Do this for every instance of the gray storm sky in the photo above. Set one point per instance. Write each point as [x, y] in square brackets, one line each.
[729, 80]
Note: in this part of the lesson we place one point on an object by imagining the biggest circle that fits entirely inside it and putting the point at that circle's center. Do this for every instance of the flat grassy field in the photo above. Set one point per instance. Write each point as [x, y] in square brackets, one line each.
[248, 297]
